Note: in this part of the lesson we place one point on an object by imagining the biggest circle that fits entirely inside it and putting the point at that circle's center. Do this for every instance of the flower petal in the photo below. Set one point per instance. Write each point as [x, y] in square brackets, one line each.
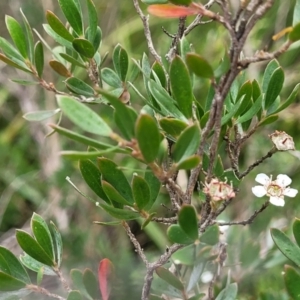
[259, 191]
[262, 179]
[283, 180]
[277, 201]
[290, 192]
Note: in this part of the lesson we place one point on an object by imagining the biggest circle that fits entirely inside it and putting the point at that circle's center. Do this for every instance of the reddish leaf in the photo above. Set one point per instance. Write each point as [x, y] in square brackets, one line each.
[172, 11]
[105, 271]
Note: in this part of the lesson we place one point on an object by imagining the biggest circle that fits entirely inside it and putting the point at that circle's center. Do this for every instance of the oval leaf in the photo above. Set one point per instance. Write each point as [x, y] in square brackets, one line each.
[199, 66]
[141, 191]
[187, 143]
[170, 278]
[181, 86]
[291, 280]
[177, 235]
[32, 248]
[90, 283]
[148, 137]
[59, 68]
[79, 87]
[105, 272]
[83, 116]
[188, 221]
[92, 177]
[286, 246]
[84, 47]
[41, 115]
[296, 230]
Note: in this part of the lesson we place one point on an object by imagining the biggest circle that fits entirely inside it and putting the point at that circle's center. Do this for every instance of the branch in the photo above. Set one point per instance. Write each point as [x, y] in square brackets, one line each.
[152, 266]
[135, 243]
[248, 221]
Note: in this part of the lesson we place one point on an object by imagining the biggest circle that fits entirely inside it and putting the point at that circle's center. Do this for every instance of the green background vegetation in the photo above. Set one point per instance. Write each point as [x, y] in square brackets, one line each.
[32, 176]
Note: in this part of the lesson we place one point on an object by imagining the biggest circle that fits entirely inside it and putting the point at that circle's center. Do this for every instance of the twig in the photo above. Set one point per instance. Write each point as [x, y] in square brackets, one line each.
[43, 291]
[248, 221]
[135, 243]
[165, 221]
[145, 20]
[62, 279]
[258, 162]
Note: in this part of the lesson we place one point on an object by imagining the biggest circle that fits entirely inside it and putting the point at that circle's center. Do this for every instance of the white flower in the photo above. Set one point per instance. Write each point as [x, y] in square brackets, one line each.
[276, 189]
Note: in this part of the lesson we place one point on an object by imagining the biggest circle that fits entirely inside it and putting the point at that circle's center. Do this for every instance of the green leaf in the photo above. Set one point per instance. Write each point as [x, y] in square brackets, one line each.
[198, 297]
[268, 120]
[291, 280]
[37, 116]
[59, 68]
[83, 139]
[29, 35]
[294, 35]
[74, 61]
[77, 278]
[34, 265]
[79, 87]
[39, 58]
[14, 63]
[199, 66]
[256, 106]
[121, 62]
[125, 116]
[165, 101]
[113, 194]
[15, 268]
[189, 163]
[229, 293]
[32, 248]
[57, 37]
[289, 101]
[72, 14]
[154, 185]
[112, 174]
[121, 214]
[84, 47]
[57, 243]
[57, 25]
[113, 223]
[40, 276]
[188, 221]
[148, 137]
[42, 234]
[111, 78]
[177, 235]
[172, 126]
[24, 82]
[230, 177]
[219, 168]
[181, 2]
[211, 235]
[181, 86]
[285, 245]
[83, 116]
[170, 278]
[274, 87]
[296, 15]
[74, 295]
[246, 91]
[16, 32]
[10, 283]
[91, 284]
[141, 192]
[93, 20]
[187, 143]
[11, 52]
[92, 177]
[271, 67]
[296, 231]
[159, 71]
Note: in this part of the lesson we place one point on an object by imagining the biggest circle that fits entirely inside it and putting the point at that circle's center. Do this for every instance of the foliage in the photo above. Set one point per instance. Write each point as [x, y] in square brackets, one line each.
[164, 127]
